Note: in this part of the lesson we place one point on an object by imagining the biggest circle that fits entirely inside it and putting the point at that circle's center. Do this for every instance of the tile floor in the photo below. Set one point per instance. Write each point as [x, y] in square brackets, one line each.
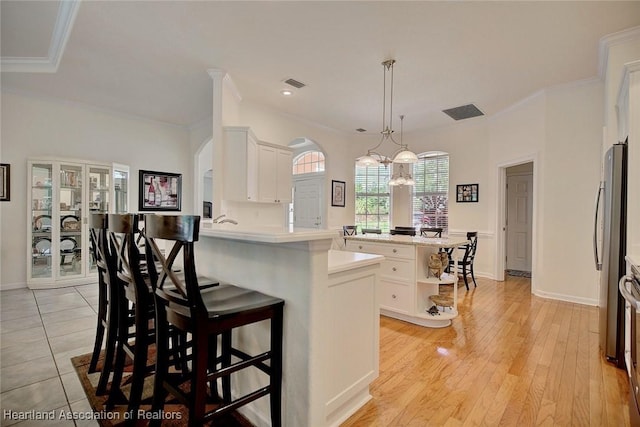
[39, 333]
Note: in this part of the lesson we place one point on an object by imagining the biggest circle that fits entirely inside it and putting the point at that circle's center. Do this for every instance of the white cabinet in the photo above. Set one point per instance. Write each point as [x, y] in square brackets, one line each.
[274, 173]
[241, 165]
[407, 289]
[397, 273]
[255, 171]
[62, 195]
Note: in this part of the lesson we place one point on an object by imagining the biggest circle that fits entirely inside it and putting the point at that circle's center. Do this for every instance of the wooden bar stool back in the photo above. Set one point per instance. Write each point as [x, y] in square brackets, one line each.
[107, 311]
[206, 314]
[136, 312]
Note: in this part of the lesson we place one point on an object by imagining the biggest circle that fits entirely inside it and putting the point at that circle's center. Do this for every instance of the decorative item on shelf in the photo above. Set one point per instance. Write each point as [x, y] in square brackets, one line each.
[63, 206]
[70, 223]
[337, 193]
[437, 263]
[467, 193]
[402, 154]
[442, 301]
[433, 310]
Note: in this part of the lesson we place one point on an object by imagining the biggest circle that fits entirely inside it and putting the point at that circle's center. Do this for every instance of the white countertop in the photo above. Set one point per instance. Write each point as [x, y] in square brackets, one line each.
[444, 242]
[265, 234]
[344, 260]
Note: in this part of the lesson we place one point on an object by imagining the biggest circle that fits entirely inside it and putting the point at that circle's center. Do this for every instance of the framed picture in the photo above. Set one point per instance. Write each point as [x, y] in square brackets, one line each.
[5, 182]
[337, 193]
[159, 191]
[467, 193]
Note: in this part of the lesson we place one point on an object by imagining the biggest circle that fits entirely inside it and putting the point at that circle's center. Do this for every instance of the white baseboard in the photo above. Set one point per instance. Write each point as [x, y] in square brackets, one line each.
[566, 298]
[11, 286]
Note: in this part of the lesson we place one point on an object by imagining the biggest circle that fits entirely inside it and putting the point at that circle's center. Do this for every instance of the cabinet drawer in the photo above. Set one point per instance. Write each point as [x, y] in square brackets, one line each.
[395, 296]
[398, 268]
[389, 250]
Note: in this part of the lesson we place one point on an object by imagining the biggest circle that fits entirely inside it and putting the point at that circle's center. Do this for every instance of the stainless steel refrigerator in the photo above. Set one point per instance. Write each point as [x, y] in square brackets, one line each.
[611, 203]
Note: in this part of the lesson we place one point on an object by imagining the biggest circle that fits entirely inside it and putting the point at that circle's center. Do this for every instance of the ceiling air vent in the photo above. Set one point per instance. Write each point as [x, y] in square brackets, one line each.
[463, 112]
[295, 83]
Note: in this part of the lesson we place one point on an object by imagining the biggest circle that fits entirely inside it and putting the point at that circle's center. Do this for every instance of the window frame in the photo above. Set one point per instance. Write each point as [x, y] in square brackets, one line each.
[439, 217]
[376, 187]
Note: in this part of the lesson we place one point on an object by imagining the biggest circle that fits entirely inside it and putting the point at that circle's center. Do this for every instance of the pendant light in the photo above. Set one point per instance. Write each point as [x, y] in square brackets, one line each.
[402, 154]
[401, 177]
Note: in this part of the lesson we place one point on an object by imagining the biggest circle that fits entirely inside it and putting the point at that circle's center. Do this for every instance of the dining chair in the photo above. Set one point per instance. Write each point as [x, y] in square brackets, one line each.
[206, 315]
[431, 232]
[468, 257]
[349, 230]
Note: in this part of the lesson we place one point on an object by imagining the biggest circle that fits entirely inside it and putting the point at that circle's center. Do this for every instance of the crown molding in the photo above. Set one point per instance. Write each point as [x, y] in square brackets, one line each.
[610, 40]
[61, 31]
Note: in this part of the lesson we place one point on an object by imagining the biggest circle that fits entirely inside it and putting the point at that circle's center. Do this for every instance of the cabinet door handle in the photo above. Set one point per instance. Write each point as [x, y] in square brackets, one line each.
[393, 296]
[395, 250]
[394, 269]
[360, 247]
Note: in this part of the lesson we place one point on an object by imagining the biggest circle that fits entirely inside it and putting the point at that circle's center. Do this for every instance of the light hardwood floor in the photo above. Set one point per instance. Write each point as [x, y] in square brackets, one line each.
[510, 359]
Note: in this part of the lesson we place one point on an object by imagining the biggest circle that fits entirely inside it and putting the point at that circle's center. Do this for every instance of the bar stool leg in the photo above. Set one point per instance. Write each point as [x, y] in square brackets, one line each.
[100, 330]
[162, 367]
[226, 361]
[275, 378]
[112, 335]
[199, 378]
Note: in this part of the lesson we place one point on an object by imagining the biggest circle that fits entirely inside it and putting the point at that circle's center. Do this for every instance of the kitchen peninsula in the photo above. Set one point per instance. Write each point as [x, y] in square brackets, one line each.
[331, 316]
[408, 290]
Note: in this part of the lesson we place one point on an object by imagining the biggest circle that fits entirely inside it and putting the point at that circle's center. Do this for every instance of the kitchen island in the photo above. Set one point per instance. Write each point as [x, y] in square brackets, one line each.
[408, 289]
[331, 316]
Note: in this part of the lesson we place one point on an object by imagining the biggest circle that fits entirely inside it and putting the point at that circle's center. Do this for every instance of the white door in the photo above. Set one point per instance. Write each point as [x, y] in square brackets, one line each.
[519, 225]
[307, 203]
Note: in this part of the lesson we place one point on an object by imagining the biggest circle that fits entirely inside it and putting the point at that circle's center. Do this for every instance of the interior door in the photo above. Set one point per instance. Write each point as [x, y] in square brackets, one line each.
[307, 203]
[519, 225]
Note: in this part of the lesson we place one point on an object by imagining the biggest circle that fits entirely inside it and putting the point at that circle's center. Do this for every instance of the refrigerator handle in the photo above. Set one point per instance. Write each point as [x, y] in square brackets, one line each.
[595, 229]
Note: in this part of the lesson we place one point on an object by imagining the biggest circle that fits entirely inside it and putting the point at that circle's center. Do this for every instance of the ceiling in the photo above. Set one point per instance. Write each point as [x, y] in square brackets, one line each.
[150, 59]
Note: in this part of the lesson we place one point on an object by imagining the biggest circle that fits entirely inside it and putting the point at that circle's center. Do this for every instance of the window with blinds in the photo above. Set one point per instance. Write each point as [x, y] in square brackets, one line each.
[308, 162]
[372, 197]
[431, 191]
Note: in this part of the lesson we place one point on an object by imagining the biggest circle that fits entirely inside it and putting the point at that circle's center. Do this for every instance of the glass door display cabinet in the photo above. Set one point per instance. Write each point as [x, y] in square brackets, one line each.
[62, 196]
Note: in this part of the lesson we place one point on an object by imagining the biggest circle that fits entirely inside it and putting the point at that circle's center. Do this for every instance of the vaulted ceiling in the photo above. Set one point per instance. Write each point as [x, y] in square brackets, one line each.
[150, 59]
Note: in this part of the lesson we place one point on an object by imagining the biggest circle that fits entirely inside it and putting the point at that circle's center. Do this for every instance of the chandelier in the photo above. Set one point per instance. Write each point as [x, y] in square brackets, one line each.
[402, 154]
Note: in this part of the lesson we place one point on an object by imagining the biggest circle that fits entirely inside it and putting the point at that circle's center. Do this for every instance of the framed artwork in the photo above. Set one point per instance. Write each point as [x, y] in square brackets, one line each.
[159, 191]
[466, 193]
[337, 193]
[5, 182]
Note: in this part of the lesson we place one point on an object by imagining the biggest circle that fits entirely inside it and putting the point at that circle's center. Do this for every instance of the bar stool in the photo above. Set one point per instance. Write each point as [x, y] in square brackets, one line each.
[135, 301]
[107, 309]
[205, 315]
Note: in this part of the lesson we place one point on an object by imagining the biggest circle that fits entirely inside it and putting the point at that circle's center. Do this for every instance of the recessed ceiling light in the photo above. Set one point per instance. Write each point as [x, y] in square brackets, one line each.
[286, 92]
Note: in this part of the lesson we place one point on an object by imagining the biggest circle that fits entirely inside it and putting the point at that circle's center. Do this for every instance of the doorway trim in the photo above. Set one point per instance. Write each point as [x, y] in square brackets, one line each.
[501, 210]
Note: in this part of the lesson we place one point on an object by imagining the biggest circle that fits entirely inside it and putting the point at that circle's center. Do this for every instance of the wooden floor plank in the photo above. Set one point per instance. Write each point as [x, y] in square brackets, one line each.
[510, 359]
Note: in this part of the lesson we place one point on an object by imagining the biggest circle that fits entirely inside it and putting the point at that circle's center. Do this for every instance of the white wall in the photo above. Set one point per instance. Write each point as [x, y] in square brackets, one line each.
[571, 178]
[33, 127]
[560, 129]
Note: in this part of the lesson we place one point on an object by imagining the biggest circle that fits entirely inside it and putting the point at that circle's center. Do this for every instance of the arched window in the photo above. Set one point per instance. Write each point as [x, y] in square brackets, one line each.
[431, 191]
[308, 162]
